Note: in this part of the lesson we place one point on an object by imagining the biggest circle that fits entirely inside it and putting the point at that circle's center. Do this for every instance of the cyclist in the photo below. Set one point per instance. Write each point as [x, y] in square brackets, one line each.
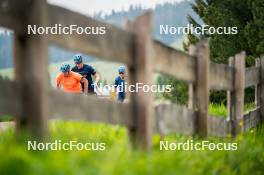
[71, 81]
[120, 84]
[87, 72]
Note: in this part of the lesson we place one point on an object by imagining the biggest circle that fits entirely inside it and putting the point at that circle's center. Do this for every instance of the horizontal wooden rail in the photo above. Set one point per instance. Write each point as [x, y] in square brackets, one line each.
[221, 77]
[171, 118]
[69, 106]
[176, 63]
[252, 76]
[115, 45]
[11, 12]
[78, 107]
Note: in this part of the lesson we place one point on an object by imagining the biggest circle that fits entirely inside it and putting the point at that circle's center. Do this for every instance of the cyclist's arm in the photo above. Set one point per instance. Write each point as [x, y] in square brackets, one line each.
[94, 73]
[97, 78]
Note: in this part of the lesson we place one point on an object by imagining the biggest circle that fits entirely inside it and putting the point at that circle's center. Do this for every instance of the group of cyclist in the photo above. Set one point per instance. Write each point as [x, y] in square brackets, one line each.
[79, 79]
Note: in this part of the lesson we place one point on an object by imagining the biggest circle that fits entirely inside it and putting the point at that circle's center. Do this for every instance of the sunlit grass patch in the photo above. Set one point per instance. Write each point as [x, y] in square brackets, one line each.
[217, 110]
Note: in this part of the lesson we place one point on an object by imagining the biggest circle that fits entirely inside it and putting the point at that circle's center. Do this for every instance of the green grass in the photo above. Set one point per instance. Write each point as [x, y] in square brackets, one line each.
[218, 110]
[120, 158]
[248, 107]
[221, 110]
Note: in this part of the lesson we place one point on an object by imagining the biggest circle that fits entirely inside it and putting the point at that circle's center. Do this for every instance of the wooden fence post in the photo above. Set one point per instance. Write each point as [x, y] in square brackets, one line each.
[230, 103]
[141, 72]
[31, 72]
[257, 86]
[262, 88]
[237, 101]
[201, 87]
[192, 51]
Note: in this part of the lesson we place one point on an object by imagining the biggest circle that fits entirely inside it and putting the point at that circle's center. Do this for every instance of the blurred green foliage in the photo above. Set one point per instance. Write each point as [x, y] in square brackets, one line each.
[120, 158]
[179, 93]
[247, 16]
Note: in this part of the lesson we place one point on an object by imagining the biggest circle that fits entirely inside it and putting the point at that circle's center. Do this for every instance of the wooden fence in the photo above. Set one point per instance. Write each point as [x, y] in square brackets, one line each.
[33, 103]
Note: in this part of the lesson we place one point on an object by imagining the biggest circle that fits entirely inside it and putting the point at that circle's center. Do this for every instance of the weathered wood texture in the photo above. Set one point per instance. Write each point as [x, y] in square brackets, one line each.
[192, 52]
[221, 77]
[201, 87]
[81, 107]
[9, 98]
[31, 71]
[171, 118]
[142, 102]
[88, 108]
[168, 59]
[11, 12]
[231, 102]
[239, 86]
[236, 96]
[217, 126]
[252, 76]
[251, 119]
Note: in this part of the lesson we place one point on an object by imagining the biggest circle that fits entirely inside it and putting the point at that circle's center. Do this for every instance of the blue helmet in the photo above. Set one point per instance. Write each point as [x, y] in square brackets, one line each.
[65, 67]
[78, 58]
[121, 69]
